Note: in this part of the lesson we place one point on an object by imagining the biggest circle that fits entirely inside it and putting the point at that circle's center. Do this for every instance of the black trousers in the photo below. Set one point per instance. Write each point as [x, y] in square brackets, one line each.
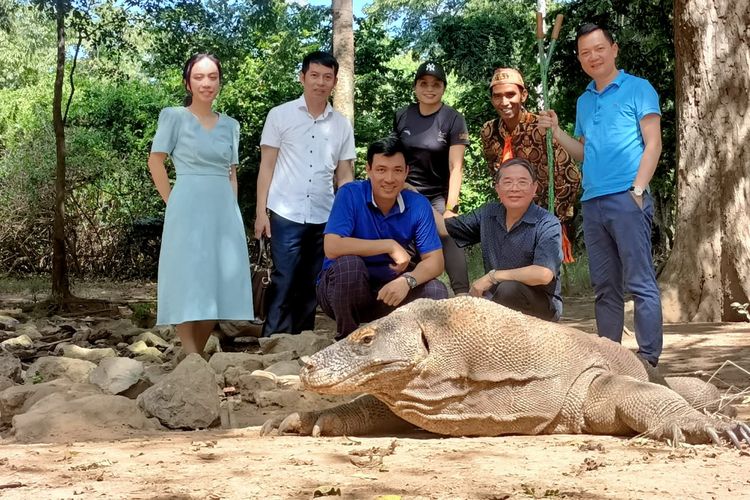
[527, 299]
[297, 253]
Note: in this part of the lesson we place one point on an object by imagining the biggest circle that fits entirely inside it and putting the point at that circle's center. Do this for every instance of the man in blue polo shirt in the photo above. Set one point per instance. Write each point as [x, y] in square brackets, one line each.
[521, 244]
[619, 130]
[374, 230]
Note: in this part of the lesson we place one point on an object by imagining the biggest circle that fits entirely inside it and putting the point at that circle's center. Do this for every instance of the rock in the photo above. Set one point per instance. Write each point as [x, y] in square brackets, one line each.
[115, 375]
[30, 330]
[10, 366]
[305, 344]
[17, 343]
[53, 367]
[272, 359]
[117, 330]
[234, 329]
[150, 354]
[154, 373]
[93, 355]
[223, 360]
[248, 384]
[284, 368]
[212, 345]
[55, 419]
[186, 398]
[6, 382]
[136, 389]
[152, 340]
[150, 357]
[8, 323]
[19, 398]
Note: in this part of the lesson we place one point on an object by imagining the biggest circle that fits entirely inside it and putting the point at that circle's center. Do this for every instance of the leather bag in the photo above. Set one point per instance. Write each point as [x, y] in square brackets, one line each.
[261, 267]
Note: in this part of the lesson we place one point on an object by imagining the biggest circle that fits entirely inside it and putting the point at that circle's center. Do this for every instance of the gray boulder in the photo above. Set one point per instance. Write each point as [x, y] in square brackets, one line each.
[10, 366]
[115, 375]
[272, 359]
[19, 343]
[223, 360]
[56, 419]
[8, 323]
[6, 382]
[30, 330]
[19, 398]
[305, 344]
[187, 398]
[53, 367]
[152, 340]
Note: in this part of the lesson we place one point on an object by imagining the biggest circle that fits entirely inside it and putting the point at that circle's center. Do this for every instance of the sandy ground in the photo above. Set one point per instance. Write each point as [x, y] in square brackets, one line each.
[240, 464]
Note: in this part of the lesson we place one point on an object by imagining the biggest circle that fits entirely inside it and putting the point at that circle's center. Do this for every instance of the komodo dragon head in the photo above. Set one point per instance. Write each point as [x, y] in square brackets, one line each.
[375, 357]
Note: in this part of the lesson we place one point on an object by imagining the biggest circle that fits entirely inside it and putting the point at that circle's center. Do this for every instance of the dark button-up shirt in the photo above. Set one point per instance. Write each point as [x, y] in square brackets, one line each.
[534, 240]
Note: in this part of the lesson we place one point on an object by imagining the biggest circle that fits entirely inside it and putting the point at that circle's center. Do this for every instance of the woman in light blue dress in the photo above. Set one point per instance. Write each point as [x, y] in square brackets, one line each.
[204, 272]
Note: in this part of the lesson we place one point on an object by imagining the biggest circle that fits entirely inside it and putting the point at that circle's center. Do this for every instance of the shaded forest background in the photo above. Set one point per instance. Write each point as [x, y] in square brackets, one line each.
[128, 67]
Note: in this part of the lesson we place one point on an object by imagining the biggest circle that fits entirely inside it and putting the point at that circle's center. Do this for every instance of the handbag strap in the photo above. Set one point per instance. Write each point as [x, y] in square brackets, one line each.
[264, 253]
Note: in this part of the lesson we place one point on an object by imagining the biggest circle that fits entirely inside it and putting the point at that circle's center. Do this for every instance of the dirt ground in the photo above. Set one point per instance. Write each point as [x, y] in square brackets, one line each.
[240, 464]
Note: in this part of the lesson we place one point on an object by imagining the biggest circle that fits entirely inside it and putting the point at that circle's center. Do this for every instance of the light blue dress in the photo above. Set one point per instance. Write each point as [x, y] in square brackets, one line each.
[204, 269]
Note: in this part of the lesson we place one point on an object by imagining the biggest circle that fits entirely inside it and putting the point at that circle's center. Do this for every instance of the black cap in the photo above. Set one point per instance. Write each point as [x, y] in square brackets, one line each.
[433, 69]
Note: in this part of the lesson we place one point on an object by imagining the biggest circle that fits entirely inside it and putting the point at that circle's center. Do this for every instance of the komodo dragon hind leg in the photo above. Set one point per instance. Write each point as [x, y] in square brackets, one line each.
[621, 405]
[364, 415]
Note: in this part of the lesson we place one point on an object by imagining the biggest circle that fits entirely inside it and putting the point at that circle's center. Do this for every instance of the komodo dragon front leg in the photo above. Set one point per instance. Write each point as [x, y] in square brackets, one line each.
[364, 415]
[619, 405]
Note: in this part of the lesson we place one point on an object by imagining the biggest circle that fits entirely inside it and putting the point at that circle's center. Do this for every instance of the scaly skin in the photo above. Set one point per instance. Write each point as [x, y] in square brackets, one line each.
[470, 367]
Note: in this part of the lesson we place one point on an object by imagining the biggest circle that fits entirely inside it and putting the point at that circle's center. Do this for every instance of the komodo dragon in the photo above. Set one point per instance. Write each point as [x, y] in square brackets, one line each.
[470, 367]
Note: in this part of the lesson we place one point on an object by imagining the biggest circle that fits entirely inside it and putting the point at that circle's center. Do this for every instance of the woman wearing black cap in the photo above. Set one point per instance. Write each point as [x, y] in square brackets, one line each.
[435, 137]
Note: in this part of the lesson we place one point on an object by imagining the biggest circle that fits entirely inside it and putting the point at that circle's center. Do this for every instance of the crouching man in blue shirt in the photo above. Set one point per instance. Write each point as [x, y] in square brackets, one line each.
[521, 244]
[374, 232]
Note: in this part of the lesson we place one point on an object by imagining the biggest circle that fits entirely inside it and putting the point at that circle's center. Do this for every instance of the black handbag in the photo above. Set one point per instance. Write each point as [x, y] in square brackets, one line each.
[261, 267]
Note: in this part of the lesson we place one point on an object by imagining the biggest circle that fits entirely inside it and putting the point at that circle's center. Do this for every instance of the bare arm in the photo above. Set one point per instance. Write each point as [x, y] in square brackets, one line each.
[344, 172]
[574, 147]
[440, 222]
[651, 132]
[159, 174]
[233, 179]
[268, 156]
[335, 246]
[532, 275]
[456, 168]
[431, 265]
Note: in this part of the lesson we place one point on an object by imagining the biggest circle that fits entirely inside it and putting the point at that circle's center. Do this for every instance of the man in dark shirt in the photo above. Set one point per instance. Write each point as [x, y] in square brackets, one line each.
[521, 244]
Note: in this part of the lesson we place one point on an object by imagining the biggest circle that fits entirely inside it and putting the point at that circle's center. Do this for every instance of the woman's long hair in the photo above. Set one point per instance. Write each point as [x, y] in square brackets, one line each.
[188, 68]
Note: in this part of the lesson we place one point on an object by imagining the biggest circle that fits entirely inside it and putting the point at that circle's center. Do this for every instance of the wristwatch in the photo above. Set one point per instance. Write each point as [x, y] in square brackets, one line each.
[637, 190]
[410, 280]
[493, 280]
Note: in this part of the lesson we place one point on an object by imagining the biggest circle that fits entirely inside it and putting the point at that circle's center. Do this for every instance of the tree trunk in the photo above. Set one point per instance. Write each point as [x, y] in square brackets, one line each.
[60, 282]
[343, 51]
[709, 267]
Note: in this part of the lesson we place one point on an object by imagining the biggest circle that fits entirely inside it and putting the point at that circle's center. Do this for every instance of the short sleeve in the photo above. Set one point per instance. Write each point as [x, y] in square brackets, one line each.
[465, 229]
[426, 236]
[548, 250]
[459, 133]
[341, 220]
[235, 143]
[347, 151]
[578, 132]
[166, 131]
[647, 100]
[271, 135]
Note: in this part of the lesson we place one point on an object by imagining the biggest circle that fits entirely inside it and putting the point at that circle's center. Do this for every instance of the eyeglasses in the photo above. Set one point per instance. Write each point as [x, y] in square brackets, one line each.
[520, 184]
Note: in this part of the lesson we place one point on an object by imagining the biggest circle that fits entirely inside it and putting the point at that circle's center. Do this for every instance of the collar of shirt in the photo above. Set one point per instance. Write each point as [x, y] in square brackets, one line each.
[400, 205]
[617, 82]
[302, 105]
[530, 216]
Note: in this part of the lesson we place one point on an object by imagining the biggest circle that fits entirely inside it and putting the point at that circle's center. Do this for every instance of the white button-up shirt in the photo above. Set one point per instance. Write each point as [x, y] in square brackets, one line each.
[309, 151]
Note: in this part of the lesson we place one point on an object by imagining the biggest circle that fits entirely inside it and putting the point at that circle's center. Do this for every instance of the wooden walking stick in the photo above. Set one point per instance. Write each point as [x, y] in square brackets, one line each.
[544, 61]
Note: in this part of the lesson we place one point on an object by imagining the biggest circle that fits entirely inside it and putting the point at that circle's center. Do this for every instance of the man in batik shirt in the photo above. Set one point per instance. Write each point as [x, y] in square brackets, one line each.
[515, 135]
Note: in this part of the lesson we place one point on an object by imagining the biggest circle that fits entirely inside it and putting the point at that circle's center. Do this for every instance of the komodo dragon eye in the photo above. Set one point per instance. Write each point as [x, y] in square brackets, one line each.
[367, 340]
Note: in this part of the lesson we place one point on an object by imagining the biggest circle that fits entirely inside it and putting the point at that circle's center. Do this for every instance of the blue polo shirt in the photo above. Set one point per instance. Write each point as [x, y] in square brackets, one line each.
[610, 123]
[410, 222]
[535, 239]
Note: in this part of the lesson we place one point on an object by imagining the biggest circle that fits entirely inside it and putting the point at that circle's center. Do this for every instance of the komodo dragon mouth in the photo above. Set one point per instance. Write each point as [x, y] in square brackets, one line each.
[337, 380]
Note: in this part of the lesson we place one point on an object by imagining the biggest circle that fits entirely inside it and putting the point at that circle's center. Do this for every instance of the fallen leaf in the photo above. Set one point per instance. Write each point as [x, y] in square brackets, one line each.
[326, 491]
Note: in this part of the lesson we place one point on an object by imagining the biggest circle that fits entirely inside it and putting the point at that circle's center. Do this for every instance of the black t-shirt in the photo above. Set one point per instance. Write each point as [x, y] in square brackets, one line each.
[427, 140]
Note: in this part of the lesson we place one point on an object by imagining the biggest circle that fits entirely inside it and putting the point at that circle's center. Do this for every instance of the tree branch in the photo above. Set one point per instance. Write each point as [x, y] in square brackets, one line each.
[72, 71]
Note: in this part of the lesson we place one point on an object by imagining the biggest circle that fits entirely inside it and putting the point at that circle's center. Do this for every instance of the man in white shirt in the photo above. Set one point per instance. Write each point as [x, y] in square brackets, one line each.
[305, 146]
